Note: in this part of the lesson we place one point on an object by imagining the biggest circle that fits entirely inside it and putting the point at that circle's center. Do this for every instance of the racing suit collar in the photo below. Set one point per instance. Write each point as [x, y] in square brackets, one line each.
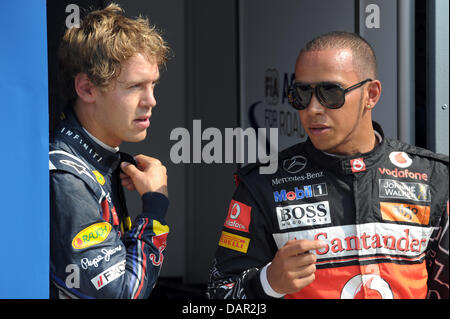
[74, 134]
[353, 164]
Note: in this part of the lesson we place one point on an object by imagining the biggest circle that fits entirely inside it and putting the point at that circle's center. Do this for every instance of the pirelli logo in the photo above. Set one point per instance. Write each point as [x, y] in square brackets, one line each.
[234, 242]
[401, 212]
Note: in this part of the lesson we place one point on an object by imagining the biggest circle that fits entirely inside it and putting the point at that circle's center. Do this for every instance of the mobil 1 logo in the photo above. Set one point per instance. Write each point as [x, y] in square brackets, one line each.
[310, 214]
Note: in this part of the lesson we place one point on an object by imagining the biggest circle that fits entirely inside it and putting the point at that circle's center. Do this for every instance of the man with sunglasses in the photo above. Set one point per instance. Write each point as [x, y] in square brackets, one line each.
[350, 213]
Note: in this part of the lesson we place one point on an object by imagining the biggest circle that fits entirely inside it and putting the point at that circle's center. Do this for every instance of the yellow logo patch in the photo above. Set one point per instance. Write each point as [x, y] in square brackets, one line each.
[234, 242]
[91, 235]
[159, 229]
[99, 177]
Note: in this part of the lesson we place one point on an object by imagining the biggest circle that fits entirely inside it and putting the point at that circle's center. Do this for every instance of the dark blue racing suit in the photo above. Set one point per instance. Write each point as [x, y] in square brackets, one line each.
[95, 251]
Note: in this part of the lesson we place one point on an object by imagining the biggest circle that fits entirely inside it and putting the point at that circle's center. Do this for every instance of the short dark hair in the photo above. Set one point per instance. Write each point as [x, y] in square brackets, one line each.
[364, 59]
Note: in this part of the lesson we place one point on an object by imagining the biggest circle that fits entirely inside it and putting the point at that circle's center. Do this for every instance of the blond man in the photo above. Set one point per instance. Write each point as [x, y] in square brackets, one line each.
[110, 66]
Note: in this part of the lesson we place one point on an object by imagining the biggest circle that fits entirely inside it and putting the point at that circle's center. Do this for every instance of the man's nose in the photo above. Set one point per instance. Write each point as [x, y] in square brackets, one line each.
[314, 106]
[148, 99]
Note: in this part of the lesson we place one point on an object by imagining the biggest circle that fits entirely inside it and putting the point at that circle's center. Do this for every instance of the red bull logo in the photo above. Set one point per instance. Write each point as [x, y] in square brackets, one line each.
[160, 242]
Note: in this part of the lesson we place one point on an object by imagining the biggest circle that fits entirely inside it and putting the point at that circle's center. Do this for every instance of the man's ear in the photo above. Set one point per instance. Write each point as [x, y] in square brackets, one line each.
[85, 89]
[373, 93]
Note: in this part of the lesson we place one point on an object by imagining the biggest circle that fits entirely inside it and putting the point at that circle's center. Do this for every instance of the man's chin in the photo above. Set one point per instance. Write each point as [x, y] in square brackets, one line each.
[321, 146]
[136, 138]
[330, 149]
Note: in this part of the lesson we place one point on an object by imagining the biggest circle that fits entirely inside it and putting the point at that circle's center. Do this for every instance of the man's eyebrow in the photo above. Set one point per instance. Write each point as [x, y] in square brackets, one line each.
[320, 82]
[134, 82]
[317, 83]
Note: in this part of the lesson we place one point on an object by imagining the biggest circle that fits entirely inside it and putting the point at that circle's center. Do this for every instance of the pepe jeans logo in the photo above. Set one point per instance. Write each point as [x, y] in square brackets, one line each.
[295, 164]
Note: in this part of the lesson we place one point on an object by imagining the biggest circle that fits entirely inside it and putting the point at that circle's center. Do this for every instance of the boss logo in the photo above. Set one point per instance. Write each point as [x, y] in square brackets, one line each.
[303, 215]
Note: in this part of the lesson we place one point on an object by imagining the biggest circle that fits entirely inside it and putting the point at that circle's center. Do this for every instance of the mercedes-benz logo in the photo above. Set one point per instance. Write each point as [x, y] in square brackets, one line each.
[295, 164]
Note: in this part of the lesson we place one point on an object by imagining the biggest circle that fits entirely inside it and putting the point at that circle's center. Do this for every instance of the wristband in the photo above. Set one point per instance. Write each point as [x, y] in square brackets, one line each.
[265, 284]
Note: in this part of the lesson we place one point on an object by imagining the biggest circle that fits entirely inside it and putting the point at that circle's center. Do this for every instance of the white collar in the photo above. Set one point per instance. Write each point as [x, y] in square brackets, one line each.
[96, 140]
[377, 135]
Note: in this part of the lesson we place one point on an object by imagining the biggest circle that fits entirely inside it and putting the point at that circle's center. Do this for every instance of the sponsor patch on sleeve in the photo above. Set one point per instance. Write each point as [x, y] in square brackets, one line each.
[239, 216]
[91, 235]
[234, 242]
[402, 212]
[160, 242]
[160, 229]
[109, 275]
[99, 177]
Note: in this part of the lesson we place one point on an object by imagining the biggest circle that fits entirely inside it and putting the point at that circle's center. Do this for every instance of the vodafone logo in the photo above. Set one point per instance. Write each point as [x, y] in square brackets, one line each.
[400, 159]
[367, 287]
[239, 216]
[235, 211]
[358, 165]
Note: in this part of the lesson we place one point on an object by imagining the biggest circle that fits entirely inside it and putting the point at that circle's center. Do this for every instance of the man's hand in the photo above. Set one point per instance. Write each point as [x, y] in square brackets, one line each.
[149, 175]
[293, 266]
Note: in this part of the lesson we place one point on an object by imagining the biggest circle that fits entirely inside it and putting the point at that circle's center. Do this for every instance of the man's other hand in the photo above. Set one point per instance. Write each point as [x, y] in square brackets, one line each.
[293, 266]
[149, 175]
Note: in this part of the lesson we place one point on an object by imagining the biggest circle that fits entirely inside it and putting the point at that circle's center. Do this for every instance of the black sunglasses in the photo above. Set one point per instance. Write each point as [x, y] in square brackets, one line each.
[330, 95]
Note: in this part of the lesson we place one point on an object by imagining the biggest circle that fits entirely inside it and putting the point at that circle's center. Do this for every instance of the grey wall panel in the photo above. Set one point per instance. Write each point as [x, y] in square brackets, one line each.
[437, 75]
[378, 25]
[170, 112]
[271, 36]
[212, 90]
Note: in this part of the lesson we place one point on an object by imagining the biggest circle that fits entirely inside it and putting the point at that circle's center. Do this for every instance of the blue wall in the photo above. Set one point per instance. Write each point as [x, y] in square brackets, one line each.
[24, 191]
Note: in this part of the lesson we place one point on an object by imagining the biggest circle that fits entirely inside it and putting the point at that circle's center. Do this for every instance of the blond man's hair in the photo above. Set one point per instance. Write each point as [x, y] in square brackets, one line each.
[102, 42]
